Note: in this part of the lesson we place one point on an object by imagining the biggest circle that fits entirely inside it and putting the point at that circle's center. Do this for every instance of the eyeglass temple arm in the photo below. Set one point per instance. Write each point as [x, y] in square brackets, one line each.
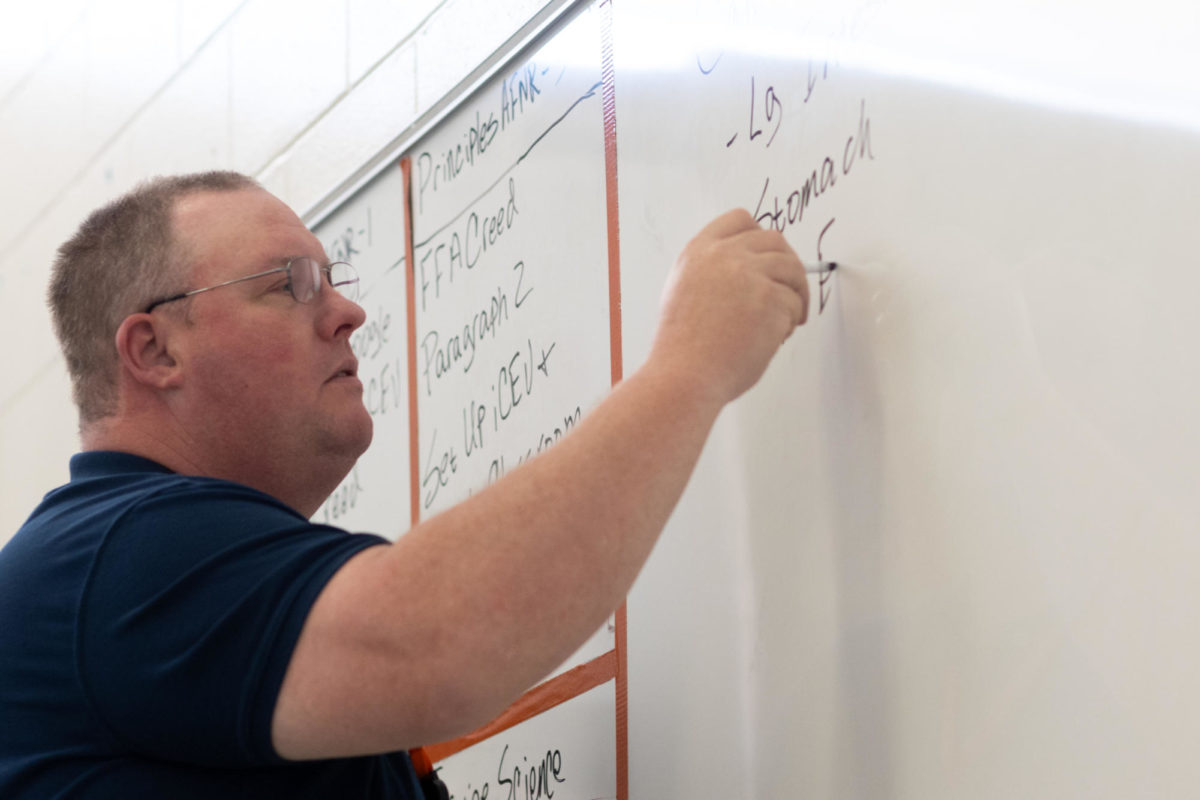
[182, 295]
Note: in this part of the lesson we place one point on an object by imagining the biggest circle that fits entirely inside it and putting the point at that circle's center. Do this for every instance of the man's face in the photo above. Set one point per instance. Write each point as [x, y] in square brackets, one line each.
[265, 377]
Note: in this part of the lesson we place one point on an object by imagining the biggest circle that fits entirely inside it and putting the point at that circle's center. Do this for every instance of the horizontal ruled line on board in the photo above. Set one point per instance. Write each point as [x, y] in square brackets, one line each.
[588, 94]
[537, 700]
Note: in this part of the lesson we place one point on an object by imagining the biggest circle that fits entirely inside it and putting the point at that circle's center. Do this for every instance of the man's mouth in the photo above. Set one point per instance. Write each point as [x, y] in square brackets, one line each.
[349, 370]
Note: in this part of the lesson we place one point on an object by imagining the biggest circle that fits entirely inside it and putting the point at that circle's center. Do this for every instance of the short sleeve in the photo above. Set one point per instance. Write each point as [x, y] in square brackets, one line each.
[190, 615]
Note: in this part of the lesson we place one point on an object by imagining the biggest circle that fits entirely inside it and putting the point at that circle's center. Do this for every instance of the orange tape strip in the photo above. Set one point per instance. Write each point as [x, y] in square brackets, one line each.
[609, 103]
[419, 755]
[414, 464]
[609, 100]
[540, 699]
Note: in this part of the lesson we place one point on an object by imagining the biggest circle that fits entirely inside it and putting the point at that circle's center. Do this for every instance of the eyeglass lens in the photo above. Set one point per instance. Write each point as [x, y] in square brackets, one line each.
[306, 275]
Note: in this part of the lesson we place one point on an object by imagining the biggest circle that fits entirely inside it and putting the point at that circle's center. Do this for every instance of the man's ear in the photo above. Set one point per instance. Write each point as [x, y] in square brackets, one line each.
[143, 345]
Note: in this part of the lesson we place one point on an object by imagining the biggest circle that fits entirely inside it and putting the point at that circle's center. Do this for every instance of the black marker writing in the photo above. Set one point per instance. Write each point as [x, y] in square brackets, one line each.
[531, 781]
[772, 109]
[825, 289]
[383, 390]
[546, 438]
[432, 171]
[813, 79]
[439, 353]
[462, 250]
[522, 291]
[343, 500]
[822, 178]
[368, 341]
[439, 470]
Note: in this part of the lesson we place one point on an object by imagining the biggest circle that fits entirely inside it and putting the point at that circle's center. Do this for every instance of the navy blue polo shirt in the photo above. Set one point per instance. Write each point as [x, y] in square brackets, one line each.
[146, 623]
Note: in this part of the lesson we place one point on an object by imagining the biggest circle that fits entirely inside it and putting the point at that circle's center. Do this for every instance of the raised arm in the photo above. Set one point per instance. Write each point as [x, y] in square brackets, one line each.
[425, 639]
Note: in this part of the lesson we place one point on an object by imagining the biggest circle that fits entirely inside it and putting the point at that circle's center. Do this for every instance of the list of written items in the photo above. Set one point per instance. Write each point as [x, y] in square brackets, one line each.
[378, 344]
[504, 320]
[485, 351]
[475, 321]
[780, 111]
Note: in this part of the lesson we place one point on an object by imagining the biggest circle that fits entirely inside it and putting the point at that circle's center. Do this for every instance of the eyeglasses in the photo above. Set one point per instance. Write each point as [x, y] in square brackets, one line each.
[304, 281]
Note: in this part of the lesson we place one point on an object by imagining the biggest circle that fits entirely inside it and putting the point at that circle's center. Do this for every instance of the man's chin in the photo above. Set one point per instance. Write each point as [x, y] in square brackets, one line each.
[349, 437]
[365, 433]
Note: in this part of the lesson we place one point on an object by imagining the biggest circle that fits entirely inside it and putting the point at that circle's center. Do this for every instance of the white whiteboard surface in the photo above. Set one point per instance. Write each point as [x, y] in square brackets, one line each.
[368, 232]
[947, 548]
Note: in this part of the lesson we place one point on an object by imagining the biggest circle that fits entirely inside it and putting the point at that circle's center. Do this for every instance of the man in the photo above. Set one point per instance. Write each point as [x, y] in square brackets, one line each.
[172, 626]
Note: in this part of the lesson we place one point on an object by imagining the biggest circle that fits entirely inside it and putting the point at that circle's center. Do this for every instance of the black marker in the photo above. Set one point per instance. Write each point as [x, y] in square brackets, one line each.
[820, 267]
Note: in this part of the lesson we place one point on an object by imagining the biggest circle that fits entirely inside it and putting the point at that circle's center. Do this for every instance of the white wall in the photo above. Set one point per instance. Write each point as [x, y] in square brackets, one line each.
[96, 95]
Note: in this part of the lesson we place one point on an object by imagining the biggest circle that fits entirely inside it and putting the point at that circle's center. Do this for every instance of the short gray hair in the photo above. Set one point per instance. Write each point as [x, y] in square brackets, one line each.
[123, 257]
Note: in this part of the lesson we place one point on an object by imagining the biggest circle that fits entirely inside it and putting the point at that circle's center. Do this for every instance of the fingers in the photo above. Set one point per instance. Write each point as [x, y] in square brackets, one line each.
[771, 256]
[738, 226]
[739, 229]
[730, 224]
[786, 269]
[736, 293]
[741, 240]
[793, 305]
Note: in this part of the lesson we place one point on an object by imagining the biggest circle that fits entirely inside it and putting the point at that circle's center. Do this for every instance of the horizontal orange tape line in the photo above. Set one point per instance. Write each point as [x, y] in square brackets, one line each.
[537, 700]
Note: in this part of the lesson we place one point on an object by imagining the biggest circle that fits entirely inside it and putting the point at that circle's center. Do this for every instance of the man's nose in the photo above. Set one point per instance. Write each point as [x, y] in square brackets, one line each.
[338, 312]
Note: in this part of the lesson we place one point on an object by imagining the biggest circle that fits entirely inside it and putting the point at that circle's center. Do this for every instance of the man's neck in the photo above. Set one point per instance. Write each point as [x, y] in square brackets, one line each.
[166, 443]
[157, 443]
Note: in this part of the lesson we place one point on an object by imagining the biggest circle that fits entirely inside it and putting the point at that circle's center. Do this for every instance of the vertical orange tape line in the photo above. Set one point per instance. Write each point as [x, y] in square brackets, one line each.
[414, 466]
[422, 764]
[609, 100]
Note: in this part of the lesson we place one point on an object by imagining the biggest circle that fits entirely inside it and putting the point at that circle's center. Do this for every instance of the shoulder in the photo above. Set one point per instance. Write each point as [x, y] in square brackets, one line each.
[117, 491]
[189, 526]
[120, 493]
[192, 544]
[200, 590]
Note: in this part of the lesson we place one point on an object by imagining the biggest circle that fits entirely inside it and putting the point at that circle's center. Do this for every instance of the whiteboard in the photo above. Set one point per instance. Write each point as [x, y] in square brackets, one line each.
[513, 346]
[947, 548]
[368, 231]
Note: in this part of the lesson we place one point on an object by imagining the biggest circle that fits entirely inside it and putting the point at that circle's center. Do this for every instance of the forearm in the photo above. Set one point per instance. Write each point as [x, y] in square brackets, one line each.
[538, 561]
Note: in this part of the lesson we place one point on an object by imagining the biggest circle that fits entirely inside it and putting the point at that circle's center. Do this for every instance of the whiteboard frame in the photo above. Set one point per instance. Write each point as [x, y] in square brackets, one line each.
[536, 31]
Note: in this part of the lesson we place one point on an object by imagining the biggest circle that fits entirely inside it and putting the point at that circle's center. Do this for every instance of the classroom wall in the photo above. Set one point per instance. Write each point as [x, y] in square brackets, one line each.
[97, 95]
